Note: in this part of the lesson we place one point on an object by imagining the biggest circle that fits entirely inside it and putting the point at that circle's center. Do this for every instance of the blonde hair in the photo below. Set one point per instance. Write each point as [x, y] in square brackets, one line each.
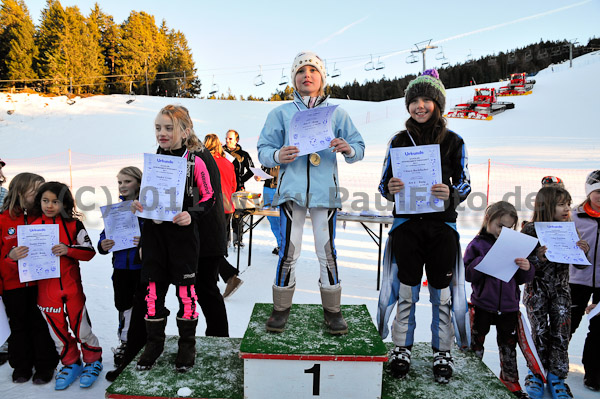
[213, 144]
[136, 173]
[182, 122]
[19, 186]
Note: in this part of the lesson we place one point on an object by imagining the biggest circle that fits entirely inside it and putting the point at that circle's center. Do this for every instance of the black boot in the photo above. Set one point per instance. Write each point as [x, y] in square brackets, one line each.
[336, 323]
[186, 355]
[155, 344]
[278, 320]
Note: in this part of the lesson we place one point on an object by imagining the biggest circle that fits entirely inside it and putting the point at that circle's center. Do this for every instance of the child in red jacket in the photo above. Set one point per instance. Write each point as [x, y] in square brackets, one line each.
[62, 299]
[30, 345]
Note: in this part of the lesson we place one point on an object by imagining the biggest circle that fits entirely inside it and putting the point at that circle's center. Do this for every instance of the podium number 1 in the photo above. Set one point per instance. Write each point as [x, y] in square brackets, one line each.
[316, 372]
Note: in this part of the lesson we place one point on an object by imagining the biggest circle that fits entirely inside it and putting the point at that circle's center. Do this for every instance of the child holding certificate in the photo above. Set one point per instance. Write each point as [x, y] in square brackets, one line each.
[428, 239]
[30, 345]
[585, 281]
[548, 299]
[171, 250]
[307, 183]
[494, 301]
[61, 299]
[127, 271]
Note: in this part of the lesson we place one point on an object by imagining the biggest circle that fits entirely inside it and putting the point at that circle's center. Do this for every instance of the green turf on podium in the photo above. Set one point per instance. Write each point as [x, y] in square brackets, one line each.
[218, 373]
[305, 361]
[472, 378]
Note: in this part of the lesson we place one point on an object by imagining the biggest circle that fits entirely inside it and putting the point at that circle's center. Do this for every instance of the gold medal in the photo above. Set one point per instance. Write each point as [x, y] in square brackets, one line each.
[315, 159]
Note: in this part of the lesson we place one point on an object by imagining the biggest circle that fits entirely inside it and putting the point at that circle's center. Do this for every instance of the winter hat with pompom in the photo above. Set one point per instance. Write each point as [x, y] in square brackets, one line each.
[427, 85]
[592, 182]
[308, 58]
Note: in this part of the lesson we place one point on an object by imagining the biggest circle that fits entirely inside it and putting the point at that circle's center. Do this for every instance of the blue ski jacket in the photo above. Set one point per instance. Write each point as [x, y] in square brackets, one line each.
[299, 181]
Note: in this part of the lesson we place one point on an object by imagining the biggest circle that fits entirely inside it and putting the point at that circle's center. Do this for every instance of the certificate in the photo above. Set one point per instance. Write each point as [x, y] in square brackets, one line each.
[120, 225]
[561, 239]
[163, 185]
[311, 130]
[40, 263]
[261, 173]
[499, 262]
[419, 167]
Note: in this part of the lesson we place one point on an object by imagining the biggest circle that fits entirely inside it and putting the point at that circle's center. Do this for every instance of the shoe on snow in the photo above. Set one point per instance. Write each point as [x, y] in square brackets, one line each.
[558, 388]
[443, 367]
[278, 320]
[67, 375]
[534, 386]
[400, 361]
[90, 374]
[41, 377]
[591, 383]
[20, 376]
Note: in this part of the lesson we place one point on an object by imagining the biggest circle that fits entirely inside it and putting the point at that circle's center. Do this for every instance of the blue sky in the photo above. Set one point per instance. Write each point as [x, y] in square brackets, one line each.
[233, 40]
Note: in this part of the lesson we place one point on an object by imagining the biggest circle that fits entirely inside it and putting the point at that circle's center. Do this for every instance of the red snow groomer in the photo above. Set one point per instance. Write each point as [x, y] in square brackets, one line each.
[518, 86]
[483, 106]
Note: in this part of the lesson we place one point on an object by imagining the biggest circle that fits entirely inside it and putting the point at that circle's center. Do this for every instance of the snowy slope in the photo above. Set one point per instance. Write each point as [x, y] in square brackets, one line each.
[552, 128]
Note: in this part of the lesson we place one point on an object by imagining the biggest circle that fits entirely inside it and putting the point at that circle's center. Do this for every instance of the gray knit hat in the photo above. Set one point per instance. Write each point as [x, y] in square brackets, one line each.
[427, 85]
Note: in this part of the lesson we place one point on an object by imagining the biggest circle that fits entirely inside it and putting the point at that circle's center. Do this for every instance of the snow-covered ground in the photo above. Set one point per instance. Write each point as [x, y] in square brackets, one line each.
[549, 132]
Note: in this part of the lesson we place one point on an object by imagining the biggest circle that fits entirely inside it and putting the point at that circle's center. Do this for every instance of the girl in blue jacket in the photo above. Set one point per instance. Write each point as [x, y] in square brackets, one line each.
[307, 183]
[127, 271]
[494, 301]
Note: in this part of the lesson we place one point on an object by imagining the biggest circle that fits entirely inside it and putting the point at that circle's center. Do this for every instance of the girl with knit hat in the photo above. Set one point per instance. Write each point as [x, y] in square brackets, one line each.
[307, 183]
[585, 281]
[428, 239]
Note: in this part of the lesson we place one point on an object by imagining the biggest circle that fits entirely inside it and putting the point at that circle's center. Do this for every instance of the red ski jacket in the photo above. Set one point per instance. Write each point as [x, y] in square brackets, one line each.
[9, 271]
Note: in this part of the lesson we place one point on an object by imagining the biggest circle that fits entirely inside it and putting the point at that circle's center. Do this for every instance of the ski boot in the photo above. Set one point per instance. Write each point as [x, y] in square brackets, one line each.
[67, 375]
[119, 353]
[400, 361]
[534, 386]
[90, 373]
[558, 388]
[443, 366]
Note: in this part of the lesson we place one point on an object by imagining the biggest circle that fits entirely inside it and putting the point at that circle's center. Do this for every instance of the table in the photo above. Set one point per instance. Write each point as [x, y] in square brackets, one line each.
[341, 216]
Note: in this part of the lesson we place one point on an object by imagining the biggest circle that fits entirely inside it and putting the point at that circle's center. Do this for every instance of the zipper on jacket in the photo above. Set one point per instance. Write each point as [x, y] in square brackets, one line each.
[307, 180]
[336, 186]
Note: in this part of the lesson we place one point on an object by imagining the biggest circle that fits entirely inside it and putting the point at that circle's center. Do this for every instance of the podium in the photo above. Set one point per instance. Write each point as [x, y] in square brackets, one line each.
[305, 361]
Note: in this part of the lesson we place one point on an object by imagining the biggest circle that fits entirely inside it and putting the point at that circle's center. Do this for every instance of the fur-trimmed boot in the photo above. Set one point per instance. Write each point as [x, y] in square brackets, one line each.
[186, 355]
[282, 303]
[331, 298]
[155, 344]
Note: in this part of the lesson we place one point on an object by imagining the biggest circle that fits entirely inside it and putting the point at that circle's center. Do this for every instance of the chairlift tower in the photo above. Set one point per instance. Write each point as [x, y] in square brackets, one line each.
[571, 44]
[422, 48]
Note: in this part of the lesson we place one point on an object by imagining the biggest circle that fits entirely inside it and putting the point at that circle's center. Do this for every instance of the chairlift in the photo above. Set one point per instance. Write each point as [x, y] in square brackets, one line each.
[369, 66]
[131, 93]
[445, 64]
[380, 65]
[528, 55]
[284, 78]
[469, 59]
[556, 51]
[214, 88]
[491, 61]
[411, 59]
[440, 56]
[336, 72]
[258, 80]
[512, 58]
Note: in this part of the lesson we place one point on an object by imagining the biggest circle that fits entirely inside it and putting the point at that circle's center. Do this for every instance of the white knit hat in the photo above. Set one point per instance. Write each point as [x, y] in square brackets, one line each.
[592, 182]
[308, 58]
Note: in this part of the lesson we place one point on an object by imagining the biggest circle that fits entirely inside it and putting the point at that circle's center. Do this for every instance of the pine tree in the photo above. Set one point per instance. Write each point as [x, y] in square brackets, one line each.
[17, 47]
[106, 33]
[142, 47]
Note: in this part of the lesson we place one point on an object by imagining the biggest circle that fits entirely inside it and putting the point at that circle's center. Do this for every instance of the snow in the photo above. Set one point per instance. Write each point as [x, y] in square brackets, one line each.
[550, 130]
